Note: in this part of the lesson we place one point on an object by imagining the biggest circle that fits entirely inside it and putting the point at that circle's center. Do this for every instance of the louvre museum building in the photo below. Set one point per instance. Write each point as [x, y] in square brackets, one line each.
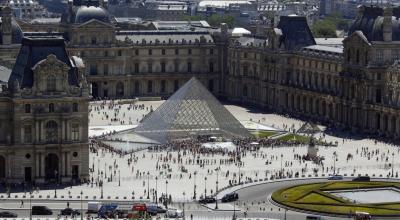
[350, 83]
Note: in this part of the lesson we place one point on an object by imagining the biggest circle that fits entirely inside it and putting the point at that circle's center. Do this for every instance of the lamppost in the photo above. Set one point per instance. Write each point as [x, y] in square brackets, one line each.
[166, 194]
[119, 177]
[148, 185]
[156, 190]
[101, 196]
[105, 171]
[205, 187]
[334, 162]
[81, 206]
[281, 165]
[216, 191]
[392, 164]
[194, 186]
[239, 165]
[30, 204]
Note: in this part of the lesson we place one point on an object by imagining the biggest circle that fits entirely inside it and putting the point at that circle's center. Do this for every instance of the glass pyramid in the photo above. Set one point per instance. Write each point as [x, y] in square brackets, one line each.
[188, 113]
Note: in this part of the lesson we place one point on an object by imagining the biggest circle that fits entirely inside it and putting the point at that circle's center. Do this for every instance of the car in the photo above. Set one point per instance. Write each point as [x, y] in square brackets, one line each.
[207, 200]
[69, 211]
[154, 209]
[335, 177]
[7, 214]
[174, 213]
[362, 179]
[41, 210]
[230, 197]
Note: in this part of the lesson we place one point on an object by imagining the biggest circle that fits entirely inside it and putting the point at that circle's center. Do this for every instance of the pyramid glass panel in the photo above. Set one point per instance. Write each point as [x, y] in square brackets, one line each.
[190, 112]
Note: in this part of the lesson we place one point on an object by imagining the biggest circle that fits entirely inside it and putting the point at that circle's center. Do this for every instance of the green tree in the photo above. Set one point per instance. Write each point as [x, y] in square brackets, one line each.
[216, 20]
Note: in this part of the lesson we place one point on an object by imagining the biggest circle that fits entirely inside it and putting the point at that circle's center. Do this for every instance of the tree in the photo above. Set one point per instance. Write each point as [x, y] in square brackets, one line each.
[327, 27]
[216, 20]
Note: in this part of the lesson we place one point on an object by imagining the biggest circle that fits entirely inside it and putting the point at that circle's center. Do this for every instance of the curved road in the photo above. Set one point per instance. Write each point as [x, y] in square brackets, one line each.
[256, 197]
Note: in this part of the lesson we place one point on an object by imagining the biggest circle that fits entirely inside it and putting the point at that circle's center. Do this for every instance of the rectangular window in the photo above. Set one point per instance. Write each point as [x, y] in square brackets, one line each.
[163, 51]
[176, 85]
[27, 134]
[75, 132]
[176, 51]
[163, 67]
[245, 70]
[94, 40]
[163, 85]
[189, 67]
[150, 68]
[211, 51]
[93, 69]
[211, 66]
[136, 52]
[119, 53]
[150, 52]
[105, 69]
[27, 108]
[379, 56]
[136, 68]
[189, 51]
[149, 86]
[176, 67]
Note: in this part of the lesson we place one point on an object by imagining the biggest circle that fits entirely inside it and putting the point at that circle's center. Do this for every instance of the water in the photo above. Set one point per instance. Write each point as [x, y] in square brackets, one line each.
[370, 195]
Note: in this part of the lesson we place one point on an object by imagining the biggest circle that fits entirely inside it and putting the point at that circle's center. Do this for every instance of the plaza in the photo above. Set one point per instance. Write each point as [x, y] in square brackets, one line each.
[140, 174]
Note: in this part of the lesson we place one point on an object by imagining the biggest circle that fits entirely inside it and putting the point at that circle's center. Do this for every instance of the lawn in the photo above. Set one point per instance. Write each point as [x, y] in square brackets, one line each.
[263, 134]
[313, 197]
[295, 137]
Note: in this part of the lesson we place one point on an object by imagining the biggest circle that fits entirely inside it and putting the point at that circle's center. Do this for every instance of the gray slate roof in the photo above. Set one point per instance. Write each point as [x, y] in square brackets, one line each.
[34, 50]
[295, 32]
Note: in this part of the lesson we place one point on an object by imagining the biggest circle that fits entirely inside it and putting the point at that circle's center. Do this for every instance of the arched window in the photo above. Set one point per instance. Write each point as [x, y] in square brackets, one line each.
[75, 132]
[51, 83]
[51, 132]
[51, 107]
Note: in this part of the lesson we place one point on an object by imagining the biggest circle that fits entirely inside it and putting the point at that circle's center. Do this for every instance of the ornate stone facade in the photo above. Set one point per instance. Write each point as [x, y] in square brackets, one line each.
[351, 84]
[44, 120]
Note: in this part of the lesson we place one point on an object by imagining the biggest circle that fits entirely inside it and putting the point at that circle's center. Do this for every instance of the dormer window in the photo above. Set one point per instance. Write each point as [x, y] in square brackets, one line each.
[51, 83]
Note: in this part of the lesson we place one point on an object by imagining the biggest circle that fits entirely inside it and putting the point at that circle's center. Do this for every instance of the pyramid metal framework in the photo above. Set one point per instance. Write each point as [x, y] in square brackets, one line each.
[188, 113]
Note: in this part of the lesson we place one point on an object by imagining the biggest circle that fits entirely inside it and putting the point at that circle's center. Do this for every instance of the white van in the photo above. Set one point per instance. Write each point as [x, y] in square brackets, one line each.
[93, 207]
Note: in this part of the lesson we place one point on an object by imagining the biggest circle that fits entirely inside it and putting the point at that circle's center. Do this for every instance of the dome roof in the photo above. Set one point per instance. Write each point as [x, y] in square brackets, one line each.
[370, 23]
[87, 13]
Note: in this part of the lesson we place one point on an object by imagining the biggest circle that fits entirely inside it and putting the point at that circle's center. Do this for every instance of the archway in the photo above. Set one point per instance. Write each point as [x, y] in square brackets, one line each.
[51, 166]
[95, 90]
[119, 90]
[2, 167]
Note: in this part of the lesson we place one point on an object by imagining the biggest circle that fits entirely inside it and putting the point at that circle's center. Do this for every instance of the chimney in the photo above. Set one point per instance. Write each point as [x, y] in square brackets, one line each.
[224, 29]
[6, 25]
[387, 24]
[361, 10]
[104, 4]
